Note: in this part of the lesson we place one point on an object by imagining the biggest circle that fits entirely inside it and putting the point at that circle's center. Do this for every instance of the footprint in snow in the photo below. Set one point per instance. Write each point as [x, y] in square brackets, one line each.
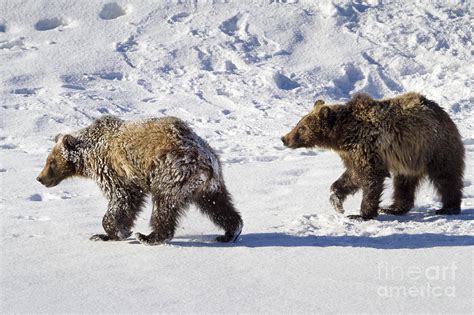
[112, 75]
[12, 44]
[178, 18]
[284, 83]
[31, 218]
[8, 146]
[112, 11]
[345, 84]
[230, 27]
[50, 23]
[26, 91]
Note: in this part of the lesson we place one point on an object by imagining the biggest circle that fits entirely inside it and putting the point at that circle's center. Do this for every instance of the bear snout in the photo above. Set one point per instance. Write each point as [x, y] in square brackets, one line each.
[47, 181]
[44, 181]
[285, 141]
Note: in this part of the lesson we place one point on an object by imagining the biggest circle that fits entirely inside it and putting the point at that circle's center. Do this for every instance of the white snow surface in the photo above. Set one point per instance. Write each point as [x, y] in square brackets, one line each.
[241, 73]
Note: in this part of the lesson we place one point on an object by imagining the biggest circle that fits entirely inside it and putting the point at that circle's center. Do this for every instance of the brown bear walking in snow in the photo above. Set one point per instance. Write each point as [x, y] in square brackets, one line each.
[162, 157]
[409, 137]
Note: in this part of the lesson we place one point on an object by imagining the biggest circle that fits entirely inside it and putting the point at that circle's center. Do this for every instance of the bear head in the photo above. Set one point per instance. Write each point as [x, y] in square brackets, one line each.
[313, 129]
[59, 165]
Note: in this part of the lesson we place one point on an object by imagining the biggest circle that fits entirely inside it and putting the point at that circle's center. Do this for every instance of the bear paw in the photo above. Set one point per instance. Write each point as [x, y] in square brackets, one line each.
[336, 203]
[230, 237]
[394, 211]
[122, 235]
[149, 239]
[359, 218]
[100, 237]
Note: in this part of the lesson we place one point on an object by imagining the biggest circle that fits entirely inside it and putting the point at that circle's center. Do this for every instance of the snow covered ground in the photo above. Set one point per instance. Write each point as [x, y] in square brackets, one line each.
[242, 74]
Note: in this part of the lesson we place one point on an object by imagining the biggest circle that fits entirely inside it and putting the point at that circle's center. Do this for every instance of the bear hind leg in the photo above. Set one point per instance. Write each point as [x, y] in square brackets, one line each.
[403, 194]
[449, 187]
[220, 209]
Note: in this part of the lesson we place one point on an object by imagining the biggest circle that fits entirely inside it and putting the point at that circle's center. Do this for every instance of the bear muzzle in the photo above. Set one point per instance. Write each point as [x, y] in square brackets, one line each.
[291, 142]
[47, 182]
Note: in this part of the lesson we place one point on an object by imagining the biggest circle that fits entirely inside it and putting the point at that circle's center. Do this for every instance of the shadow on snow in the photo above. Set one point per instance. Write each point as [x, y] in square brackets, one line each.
[393, 241]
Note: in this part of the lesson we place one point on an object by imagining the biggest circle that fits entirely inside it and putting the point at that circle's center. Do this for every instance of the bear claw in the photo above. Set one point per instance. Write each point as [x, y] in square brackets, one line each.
[393, 211]
[146, 240]
[228, 238]
[359, 217]
[336, 203]
[100, 237]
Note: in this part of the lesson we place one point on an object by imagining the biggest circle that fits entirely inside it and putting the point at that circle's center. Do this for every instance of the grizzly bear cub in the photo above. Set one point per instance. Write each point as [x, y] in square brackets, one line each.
[408, 137]
[129, 160]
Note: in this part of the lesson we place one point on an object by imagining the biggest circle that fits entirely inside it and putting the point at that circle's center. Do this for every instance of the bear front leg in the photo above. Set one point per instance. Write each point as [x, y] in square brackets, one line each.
[114, 228]
[120, 216]
[340, 189]
[371, 191]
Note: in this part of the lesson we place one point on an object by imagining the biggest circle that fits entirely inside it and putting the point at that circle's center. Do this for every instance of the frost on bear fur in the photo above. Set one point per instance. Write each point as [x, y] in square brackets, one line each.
[408, 137]
[129, 160]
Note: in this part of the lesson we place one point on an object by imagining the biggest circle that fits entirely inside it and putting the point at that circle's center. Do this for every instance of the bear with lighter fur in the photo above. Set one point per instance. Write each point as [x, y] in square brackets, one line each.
[407, 137]
[161, 157]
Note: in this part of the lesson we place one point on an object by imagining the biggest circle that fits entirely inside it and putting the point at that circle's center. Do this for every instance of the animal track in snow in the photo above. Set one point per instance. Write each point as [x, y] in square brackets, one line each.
[113, 75]
[229, 27]
[31, 218]
[36, 197]
[345, 84]
[230, 66]
[73, 87]
[112, 11]
[178, 18]
[50, 23]
[145, 85]
[8, 146]
[284, 83]
[252, 47]
[295, 172]
[149, 100]
[26, 91]
[415, 222]
[11, 44]
[284, 1]
[50, 196]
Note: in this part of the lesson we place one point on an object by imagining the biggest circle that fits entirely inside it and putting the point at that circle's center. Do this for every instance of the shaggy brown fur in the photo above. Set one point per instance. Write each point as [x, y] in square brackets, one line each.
[161, 157]
[409, 137]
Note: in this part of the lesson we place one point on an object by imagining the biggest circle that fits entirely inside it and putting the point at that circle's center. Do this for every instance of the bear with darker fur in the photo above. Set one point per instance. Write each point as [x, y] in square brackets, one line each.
[162, 157]
[407, 137]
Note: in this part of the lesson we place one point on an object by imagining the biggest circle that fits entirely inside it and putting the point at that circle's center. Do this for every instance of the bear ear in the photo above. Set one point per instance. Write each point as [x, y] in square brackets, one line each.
[69, 142]
[326, 114]
[318, 103]
[58, 136]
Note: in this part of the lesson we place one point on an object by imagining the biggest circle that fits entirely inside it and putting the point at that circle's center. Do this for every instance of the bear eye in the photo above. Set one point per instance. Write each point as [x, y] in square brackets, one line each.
[52, 164]
[302, 129]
